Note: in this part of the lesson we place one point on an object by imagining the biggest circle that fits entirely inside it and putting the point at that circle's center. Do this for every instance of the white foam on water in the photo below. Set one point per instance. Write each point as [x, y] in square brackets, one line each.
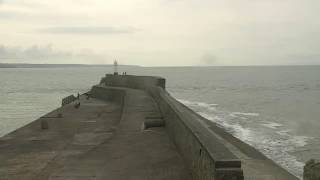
[273, 141]
[283, 132]
[209, 106]
[235, 129]
[272, 125]
[234, 114]
[299, 141]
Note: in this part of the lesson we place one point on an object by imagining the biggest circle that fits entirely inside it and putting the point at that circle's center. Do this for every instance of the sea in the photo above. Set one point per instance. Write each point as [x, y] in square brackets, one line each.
[276, 109]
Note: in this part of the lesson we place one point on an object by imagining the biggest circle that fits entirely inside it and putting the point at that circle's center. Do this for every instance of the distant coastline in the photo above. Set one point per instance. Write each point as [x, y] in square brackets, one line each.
[26, 65]
[30, 65]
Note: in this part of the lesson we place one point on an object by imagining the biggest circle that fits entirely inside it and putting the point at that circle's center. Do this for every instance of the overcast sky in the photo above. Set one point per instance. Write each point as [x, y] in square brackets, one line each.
[161, 32]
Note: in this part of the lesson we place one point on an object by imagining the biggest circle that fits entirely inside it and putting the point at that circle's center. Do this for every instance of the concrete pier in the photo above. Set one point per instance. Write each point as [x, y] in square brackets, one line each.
[100, 140]
[106, 138]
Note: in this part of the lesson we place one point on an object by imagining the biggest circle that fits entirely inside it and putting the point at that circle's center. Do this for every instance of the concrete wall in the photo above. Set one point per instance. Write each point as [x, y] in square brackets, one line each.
[202, 150]
[68, 100]
[137, 82]
[107, 94]
[205, 153]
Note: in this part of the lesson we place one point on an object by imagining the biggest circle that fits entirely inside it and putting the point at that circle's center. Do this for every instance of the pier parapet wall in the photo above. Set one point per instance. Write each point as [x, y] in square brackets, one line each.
[204, 151]
[136, 82]
[107, 94]
[68, 100]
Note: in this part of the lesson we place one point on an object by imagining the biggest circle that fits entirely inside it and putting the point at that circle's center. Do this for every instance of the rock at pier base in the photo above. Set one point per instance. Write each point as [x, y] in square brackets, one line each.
[312, 170]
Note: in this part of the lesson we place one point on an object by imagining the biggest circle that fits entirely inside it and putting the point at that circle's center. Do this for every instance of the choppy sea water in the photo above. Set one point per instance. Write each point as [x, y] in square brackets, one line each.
[274, 109]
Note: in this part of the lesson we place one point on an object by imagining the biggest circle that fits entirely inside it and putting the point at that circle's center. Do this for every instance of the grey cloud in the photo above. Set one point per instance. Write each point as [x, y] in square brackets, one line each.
[34, 52]
[46, 54]
[88, 30]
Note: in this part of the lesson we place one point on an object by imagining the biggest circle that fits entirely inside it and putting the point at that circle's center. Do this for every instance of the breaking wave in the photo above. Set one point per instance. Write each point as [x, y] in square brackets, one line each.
[268, 137]
[243, 114]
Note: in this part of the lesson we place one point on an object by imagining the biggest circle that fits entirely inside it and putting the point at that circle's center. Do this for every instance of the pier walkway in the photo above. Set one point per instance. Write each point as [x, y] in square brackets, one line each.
[99, 140]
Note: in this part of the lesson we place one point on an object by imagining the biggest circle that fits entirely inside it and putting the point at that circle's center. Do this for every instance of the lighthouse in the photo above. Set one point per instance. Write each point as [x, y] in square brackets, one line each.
[115, 66]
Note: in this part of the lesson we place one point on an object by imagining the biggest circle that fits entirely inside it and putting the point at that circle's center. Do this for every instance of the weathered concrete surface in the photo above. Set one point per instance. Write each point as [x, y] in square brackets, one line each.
[99, 140]
[204, 152]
